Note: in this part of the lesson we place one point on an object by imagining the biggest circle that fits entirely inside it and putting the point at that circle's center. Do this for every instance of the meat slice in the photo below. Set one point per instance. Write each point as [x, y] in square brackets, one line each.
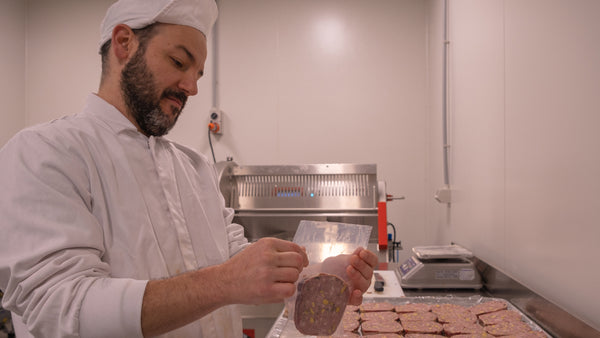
[452, 329]
[499, 317]
[351, 308]
[320, 304]
[423, 335]
[376, 306]
[344, 335]
[441, 308]
[456, 316]
[350, 320]
[507, 328]
[379, 315]
[350, 325]
[422, 327]
[412, 307]
[351, 316]
[487, 307]
[418, 316]
[376, 326]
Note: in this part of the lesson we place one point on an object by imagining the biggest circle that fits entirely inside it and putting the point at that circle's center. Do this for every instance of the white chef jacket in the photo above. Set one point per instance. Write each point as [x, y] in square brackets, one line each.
[90, 210]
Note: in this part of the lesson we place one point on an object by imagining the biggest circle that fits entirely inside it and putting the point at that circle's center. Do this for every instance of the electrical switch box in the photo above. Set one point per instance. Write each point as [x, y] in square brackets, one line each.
[215, 123]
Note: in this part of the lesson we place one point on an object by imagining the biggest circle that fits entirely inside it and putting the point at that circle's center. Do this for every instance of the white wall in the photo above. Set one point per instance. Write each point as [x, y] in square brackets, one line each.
[63, 64]
[336, 81]
[524, 90]
[12, 67]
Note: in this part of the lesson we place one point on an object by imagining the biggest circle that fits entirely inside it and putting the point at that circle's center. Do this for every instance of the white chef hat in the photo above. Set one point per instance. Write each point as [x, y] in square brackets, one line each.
[199, 14]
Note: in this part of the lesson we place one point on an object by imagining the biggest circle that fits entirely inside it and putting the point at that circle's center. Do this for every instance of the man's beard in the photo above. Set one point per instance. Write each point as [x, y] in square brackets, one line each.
[143, 101]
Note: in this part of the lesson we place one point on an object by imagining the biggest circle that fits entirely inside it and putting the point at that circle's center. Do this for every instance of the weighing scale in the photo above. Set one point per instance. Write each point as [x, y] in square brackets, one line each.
[439, 267]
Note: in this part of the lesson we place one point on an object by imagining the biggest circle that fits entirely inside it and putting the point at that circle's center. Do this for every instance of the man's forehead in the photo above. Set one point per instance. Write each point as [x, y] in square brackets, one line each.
[181, 36]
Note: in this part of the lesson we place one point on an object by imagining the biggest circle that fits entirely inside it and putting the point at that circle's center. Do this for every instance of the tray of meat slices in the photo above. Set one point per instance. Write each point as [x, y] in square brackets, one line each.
[431, 317]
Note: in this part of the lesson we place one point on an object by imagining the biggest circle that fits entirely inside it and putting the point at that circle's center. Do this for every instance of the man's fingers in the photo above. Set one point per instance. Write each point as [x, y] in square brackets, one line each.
[369, 257]
[290, 259]
[355, 298]
[286, 246]
[360, 270]
[283, 290]
[286, 275]
[359, 282]
[282, 245]
[362, 266]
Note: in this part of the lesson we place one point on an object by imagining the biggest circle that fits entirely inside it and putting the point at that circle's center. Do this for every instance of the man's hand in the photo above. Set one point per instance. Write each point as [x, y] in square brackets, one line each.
[360, 272]
[264, 272]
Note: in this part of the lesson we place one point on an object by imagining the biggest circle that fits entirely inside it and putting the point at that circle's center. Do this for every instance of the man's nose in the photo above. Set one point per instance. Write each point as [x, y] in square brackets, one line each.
[189, 84]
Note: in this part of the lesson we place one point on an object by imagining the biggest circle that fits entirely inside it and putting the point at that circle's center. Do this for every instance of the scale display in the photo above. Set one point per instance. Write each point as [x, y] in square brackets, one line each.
[408, 266]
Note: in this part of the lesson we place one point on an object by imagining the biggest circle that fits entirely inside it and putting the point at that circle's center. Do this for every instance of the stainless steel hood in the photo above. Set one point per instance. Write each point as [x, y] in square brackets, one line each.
[271, 200]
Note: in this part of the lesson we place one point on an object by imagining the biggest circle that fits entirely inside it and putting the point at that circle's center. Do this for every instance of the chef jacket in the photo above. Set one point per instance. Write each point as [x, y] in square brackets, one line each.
[90, 210]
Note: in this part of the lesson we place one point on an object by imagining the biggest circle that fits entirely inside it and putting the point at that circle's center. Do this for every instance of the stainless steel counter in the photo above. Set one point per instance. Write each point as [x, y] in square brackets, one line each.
[549, 316]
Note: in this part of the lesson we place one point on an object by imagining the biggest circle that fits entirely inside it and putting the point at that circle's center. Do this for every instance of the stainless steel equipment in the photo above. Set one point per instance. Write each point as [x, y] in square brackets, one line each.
[440, 267]
[271, 200]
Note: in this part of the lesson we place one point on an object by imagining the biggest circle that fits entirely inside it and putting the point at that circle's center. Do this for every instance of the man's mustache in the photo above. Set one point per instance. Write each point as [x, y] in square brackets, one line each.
[179, 95]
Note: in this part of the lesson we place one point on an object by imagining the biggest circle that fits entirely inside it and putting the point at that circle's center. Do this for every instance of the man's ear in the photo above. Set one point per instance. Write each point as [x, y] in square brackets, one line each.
[123, 42]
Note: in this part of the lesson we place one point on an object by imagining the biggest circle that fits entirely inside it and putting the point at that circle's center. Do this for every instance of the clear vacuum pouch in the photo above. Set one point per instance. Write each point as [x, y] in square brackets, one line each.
[323, 288]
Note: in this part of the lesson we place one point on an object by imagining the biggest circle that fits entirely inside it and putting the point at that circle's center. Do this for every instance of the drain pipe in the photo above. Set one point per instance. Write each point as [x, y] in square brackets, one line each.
[215, 64]
[215, 123]
[443, 195]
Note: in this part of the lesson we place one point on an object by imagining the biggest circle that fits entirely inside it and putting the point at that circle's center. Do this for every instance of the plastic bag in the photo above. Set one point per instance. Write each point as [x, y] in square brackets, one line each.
[328, 246]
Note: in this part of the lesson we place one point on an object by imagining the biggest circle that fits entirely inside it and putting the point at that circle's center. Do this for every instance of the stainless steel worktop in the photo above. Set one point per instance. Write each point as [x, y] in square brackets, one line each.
[549, 316]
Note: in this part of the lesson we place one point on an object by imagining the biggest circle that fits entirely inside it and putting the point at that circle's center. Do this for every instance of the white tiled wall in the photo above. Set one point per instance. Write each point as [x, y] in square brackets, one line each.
[524, 89]
[12, 67]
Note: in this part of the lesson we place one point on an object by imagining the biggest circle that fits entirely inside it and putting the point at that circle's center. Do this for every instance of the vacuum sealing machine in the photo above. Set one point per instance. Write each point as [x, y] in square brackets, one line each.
[271, 200]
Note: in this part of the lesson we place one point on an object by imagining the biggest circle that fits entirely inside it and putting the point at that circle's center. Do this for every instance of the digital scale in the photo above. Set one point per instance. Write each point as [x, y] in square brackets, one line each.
[439, 267]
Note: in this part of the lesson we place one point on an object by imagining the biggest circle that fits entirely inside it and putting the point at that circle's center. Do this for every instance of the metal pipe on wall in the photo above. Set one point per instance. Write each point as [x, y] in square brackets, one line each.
[443, 195]
[215, 64]
[445, 98]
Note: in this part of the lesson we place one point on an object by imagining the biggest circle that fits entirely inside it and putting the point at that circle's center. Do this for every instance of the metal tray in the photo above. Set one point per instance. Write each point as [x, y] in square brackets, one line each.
[285, 328]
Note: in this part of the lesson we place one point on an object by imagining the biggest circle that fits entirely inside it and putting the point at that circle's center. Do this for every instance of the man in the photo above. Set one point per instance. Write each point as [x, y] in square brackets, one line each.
[113, 231]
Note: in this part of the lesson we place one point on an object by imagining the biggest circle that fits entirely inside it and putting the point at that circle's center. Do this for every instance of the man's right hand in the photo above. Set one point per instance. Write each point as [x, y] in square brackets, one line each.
[264, 272]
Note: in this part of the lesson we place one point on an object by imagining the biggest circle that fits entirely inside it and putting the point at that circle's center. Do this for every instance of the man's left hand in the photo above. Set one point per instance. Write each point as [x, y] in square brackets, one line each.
[360, 271]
